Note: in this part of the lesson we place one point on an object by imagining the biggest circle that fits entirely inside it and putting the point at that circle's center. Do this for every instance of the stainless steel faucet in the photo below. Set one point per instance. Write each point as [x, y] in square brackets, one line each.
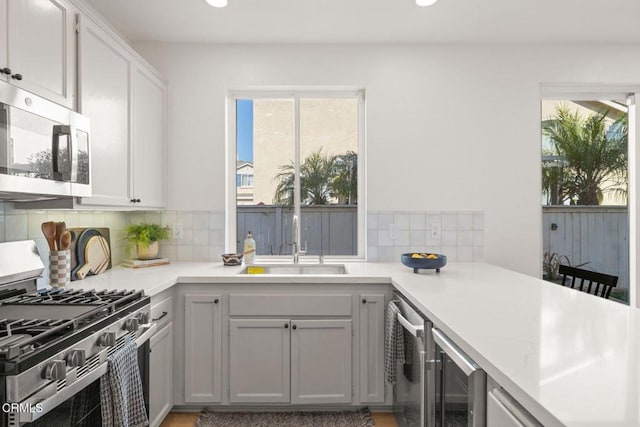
[295, 241]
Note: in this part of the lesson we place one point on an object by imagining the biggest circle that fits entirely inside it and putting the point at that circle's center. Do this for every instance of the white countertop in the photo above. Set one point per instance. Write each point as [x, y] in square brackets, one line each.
[572, 359]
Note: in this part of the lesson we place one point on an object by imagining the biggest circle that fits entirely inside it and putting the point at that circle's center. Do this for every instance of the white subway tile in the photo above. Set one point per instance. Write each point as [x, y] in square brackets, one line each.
[385, 253]
[372, 237]
[184, 253]
[465, 222]
[200, 221]
[417, 222]
[464, 254]
[384, 220]
[478, 221]
[185, 218]
[384, 238]
[401, 221]
[449, 238]
[15, 227]
[418, 238]
[450, 221]
[450, 252]
[216, 221]
[465, 238]
[372, 221]
[478, 238]
[372, 253]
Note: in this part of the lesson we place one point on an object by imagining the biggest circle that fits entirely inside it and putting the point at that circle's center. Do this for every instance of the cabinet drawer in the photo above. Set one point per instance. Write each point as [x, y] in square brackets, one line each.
[289, 305]
[161, 312]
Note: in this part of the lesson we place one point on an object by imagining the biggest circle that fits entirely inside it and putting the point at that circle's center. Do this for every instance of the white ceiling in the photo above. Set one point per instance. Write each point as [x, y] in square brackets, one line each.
[376, 21]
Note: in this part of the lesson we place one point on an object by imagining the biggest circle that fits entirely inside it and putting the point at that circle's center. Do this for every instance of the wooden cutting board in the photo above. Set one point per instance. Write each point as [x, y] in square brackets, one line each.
[96, 255]
[76, 232]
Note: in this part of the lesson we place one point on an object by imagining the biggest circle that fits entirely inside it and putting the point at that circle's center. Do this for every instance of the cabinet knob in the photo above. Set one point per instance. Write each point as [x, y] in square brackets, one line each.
[138, 200]
[286, 326]
[17, 76]
[215, 301]
[294, 327]
[132, 200]
[5, 70]
[364, 300]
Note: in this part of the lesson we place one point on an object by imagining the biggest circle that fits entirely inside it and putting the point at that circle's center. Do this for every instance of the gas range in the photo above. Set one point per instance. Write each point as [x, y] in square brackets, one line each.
[55, 343]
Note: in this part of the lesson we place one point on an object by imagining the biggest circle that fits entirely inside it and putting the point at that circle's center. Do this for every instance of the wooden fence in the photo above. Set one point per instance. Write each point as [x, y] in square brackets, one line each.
[597, 235]
[330, 228]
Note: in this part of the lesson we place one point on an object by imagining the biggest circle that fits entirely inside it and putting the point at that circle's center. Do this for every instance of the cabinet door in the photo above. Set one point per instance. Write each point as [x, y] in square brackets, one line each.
[371, 348]
[161, 375]
[321, 361]
[4, 29]
[203, 349]
[149, 139]
[42, 40]
[105, 75]
[259, 352]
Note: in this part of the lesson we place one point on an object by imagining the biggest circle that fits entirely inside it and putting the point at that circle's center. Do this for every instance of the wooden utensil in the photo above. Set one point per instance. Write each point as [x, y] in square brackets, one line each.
[95, 256]
[49, 231]
[61, 227]
[65, 240]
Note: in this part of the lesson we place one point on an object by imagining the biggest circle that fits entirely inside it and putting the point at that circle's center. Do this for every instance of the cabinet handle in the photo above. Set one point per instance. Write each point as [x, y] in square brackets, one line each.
[364, 300]
[286, 326]
[17, 76]
[294, 327]
[5, 70]
[164, 313]
[132, 200]
[215, 301]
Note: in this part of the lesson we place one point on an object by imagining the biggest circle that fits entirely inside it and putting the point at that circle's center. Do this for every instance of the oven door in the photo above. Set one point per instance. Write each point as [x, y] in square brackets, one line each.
[461, 386]
[79, 403]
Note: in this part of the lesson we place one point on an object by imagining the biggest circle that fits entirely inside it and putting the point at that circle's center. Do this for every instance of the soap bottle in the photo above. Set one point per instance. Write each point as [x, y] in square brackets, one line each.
[249, 249]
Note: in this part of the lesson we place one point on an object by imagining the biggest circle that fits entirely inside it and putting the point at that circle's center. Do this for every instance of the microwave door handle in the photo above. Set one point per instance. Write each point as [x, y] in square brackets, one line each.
[73, 156]
[58, 131]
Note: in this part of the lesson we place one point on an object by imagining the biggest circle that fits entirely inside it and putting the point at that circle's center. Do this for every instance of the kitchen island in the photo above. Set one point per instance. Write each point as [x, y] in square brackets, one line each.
[569, 358]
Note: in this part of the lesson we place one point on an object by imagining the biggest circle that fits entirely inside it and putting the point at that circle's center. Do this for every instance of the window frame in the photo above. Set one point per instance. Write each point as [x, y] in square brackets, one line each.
[294, 94]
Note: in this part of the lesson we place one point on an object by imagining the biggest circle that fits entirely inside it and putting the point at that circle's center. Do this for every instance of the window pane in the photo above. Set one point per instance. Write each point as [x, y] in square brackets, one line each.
[585, 188]
[264, 197]
[329, 176]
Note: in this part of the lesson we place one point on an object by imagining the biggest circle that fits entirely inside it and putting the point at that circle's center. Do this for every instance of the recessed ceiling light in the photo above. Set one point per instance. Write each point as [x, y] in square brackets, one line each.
[217, 3]
[421, 2]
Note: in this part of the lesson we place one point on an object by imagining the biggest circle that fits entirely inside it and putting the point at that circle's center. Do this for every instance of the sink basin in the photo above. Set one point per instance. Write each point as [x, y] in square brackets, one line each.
[295, 269]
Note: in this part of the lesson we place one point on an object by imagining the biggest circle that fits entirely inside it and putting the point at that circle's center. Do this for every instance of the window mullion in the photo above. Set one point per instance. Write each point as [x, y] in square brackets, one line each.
[296, 162]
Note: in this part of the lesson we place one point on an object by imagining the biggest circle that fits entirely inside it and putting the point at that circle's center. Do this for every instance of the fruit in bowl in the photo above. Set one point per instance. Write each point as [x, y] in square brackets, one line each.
[424, 261]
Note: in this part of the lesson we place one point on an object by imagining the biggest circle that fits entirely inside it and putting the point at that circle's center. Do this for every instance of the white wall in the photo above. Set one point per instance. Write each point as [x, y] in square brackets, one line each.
[466, 116]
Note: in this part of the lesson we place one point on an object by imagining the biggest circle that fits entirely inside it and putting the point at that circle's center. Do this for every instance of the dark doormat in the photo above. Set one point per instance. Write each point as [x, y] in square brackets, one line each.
[359, 418]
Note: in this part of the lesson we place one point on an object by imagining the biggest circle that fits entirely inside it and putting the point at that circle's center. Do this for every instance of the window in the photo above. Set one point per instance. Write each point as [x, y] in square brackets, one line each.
[298, 154]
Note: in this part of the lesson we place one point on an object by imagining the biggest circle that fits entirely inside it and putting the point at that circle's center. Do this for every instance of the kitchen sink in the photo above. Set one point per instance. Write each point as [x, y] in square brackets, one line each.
[295, 269]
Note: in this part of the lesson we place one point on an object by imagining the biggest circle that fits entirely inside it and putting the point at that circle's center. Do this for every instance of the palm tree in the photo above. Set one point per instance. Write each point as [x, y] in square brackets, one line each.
[592, 163]
[316, 173]
[323, 178]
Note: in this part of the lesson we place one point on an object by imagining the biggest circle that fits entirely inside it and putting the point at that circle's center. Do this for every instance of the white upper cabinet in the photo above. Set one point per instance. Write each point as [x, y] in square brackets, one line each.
[105, 93]
[40, 48]
[149, 139]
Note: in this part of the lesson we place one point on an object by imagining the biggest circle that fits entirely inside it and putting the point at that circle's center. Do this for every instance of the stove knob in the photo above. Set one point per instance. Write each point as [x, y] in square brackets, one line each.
[55, 371]
[131, 325]
[76, 358]
[107, 339]
[143, 317]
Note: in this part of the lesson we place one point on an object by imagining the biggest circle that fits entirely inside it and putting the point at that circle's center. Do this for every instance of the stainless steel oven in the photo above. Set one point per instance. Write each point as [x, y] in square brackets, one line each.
[461, 386]
[44, 148]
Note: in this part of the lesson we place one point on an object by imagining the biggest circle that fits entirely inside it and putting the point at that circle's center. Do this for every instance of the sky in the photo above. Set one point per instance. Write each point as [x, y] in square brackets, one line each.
[244, 129]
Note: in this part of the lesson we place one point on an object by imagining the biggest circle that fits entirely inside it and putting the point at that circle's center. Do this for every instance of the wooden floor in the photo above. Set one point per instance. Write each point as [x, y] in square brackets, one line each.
[188, 419]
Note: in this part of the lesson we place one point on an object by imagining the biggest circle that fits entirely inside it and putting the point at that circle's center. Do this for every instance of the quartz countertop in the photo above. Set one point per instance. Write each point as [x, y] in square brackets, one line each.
[570, 358]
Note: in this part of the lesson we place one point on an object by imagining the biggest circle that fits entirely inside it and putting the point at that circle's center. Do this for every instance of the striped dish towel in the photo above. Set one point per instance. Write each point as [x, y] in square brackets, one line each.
[393, 344]
[121, 394]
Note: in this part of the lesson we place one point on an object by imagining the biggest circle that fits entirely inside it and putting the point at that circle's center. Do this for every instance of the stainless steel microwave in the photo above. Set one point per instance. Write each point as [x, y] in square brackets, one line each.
[44, 148]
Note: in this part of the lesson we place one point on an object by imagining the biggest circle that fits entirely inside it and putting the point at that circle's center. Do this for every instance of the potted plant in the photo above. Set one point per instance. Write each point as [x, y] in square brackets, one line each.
[551, 263]
[144, 237]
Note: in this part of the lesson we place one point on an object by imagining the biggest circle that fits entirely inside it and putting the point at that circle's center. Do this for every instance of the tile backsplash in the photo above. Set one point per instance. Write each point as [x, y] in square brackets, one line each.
[457, 234]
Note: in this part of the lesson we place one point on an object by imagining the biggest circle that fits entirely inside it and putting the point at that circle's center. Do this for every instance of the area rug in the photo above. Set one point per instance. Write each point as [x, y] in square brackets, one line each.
[360, 418]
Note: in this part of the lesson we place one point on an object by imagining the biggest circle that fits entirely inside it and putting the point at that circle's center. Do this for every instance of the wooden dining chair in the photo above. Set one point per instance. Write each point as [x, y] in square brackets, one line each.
[591, 282]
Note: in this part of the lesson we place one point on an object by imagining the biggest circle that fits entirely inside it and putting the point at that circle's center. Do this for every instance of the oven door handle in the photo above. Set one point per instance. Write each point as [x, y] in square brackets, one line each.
[43, 405]
[467, 365]
[150, 330]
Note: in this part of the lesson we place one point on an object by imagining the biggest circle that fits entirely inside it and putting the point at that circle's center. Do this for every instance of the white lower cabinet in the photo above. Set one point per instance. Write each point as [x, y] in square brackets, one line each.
[161, 375]
[372, 309]
[321, 361]
[203, 348]
[283, 360]
[259, 355]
